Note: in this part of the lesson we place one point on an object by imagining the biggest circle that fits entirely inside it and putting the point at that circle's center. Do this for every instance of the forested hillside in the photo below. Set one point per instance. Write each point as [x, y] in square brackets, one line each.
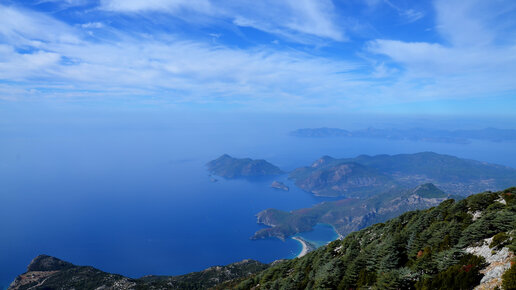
[455, 245]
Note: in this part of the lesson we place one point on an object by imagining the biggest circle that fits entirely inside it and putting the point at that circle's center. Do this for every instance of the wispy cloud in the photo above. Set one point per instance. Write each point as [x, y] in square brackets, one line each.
[104, 54]
[292, 19]
[472, 64]
[67, 63]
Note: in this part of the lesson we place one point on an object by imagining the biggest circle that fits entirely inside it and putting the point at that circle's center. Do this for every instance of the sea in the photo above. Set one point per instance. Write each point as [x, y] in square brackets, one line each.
[129, 193]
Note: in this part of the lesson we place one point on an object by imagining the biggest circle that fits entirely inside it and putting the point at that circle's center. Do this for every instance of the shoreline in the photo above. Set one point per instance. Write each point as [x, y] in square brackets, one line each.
[307, 246]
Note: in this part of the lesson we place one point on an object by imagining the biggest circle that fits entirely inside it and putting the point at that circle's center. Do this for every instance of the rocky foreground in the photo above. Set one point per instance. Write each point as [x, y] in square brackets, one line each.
[46, 272]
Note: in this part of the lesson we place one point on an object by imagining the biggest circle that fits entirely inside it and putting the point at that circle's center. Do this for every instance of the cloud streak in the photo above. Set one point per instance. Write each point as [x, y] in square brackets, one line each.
[295, 20]
[98, 58]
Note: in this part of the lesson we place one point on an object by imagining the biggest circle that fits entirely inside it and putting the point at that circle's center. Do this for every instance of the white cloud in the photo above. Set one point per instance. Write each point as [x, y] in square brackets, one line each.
[169, 6]
[475, 22]
[23, 27]
[409, 15]
[69, 64]
[92, 25]
[471, 64]
[291, 18]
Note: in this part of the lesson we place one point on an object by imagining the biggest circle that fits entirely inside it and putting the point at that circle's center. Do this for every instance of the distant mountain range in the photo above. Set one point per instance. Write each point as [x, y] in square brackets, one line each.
[230, 167]
[454, 245]
[377, 188]
[414, 134]
[365, 175]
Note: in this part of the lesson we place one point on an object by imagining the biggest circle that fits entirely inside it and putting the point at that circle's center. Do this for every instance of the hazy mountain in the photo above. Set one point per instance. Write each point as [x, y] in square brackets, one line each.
[229, 167]
[414, 134]
[365, 175]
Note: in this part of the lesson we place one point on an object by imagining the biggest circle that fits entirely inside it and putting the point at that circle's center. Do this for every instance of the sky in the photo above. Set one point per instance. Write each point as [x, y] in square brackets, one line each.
[385, 56]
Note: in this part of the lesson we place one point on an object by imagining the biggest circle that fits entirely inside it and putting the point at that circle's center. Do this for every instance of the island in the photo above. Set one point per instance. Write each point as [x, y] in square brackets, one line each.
[413, 134]
[279, 185]
[230, 167]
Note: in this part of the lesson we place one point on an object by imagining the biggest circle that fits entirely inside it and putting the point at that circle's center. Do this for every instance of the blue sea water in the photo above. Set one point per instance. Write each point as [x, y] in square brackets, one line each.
[134, 197]
[321, 235]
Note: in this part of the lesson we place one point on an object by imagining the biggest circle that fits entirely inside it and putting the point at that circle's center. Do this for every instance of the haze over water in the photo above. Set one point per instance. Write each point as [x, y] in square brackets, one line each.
[127, 192]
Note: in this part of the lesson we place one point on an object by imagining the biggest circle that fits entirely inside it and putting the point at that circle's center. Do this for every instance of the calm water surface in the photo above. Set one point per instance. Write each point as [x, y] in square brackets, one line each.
[136, 200]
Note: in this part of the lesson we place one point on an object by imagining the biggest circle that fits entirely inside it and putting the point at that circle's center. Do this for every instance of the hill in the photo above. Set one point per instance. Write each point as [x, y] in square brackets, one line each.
[45, 272]
[455, 245]
[364, 176]
[413, 134]
[230, 167]
[351, 214]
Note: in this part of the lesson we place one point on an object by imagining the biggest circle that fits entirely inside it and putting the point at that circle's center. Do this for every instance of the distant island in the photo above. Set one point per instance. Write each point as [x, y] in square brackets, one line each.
[230, 167]
[413, 134]
[279, 185]
[365, 175]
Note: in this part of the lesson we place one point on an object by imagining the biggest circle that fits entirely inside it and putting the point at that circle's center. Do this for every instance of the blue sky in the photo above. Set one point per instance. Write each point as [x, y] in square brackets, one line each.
[443, 56]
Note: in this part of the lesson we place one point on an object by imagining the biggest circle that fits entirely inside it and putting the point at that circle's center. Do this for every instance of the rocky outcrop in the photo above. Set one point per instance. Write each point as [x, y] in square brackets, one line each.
[498, 261]
[45, 272]
[279, 185]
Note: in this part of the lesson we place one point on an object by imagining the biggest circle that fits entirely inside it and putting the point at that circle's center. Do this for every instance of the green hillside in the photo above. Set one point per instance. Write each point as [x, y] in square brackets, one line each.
[423, 249]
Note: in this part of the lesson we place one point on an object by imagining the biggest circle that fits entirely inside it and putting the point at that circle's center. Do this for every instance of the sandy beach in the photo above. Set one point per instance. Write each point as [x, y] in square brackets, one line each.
[307, 247]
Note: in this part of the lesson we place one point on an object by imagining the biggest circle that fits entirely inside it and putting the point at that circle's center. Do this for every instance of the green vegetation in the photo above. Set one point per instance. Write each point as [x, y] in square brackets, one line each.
[509, 277]
[229, 167]
[47, 272]
[365, 175]
[349, 215]
[417, 250]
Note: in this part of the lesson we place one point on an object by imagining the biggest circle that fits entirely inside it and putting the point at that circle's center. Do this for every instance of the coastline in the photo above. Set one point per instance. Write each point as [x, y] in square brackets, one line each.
[307, 246]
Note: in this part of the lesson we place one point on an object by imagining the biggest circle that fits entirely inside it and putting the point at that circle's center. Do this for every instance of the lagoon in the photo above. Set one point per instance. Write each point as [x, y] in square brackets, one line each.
[134, 198]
